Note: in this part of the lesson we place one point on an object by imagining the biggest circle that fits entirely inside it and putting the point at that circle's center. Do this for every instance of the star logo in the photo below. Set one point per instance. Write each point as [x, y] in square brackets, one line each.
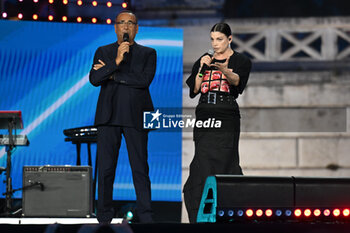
[156, 115]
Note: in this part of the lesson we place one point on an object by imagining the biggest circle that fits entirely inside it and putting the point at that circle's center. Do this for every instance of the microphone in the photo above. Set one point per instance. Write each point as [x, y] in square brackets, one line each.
[205, 66]
[125, 39]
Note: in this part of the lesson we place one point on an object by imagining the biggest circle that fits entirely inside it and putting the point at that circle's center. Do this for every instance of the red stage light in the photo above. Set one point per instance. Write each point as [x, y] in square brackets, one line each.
[51, 1]
[20, 16]
[336, 212]
[80, 2]
[249, 212]
[124, 5]
[109, 4]
[297, 212]
[109, 21]
[50, 17]
[268, 212]
[79, 19]
[259, 213]
[35, 16]
[317, 212]
[64, 18]
[94, 3]
[93, 20]
[4, 14]
[307, 212]
[346, 212]
[65, 2]
[326, 212]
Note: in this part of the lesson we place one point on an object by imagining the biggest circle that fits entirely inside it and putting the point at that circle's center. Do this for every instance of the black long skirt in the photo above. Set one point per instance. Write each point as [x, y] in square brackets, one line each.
[216, 152]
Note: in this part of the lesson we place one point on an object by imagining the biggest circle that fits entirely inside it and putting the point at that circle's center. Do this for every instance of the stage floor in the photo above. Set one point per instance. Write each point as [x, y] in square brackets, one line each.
[46, 221]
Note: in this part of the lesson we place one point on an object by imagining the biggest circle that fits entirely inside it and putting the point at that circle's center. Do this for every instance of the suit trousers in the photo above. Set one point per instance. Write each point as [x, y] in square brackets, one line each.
[108, 144]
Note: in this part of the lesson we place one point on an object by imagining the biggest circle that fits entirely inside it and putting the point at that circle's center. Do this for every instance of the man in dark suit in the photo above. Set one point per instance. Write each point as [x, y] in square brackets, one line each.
[124, 70]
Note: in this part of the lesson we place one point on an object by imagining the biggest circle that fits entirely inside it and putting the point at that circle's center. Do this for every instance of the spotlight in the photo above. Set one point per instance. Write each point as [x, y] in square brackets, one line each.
[336, 212]
[51, 1]
[93, 20]
[230, 213]
[50, 17]
[109, 4]
[288, 213]
[65, 2]
[297, 212]
[278, 213]
[326, 212]
[4, 14]
[220, 213]
[35, 16]
[307, 213]
[64, 18]
[94, 3]
[79, 19]
[129, 215]
[125, 5]
[317, 212]
[80, 3]
[249, 212]
[109, 21]
[240, 213]
[268, 212]
[36, 1]
[20, 16]
[346, 212]
[259, 213]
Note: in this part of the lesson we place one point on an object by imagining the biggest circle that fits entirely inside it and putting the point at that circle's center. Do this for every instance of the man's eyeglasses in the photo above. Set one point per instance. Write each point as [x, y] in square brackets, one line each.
[129, 23]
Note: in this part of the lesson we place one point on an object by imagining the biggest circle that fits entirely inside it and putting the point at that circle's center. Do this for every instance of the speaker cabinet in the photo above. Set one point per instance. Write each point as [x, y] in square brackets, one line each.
[57, 191]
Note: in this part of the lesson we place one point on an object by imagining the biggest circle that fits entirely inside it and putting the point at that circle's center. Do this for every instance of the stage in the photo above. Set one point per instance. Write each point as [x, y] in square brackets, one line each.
[69, 226]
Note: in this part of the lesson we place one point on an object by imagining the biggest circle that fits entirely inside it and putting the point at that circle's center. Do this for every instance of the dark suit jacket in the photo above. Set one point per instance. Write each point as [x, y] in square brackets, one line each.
[133, 83]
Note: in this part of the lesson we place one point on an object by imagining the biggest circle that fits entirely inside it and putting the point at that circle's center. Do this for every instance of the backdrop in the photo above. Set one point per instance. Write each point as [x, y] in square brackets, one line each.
[44, 73]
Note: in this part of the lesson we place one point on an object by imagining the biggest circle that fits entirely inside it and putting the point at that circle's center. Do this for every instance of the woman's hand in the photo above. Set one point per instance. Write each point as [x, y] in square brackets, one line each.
[205, 60]
[221, 66]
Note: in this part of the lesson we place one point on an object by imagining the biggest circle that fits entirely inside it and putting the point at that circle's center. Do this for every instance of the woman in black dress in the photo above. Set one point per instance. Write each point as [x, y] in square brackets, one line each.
[216, 149]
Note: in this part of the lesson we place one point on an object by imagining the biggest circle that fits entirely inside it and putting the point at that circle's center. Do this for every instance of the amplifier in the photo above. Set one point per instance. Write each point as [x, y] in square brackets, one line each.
[57, 191]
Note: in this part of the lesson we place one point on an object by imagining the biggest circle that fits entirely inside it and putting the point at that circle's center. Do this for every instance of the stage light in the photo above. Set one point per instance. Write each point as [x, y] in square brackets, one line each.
[109, 4]
[297, 212]
[346, 212]
[230, 213]
[93, 20]
[278, 213]
[336, 212]
[64, 18]
[80, 3]
[240, 213]
[94, 3]
[36, 1]
[51, 1]
[4, 14]
[221, 213]
[20, 16]
[249, 212]
[65, 2]
[125, 5]
[50, 17]
[307, 213]
[326, 212]
[288, 213]
[317, 212]
[109, 21]
[268, 212]
[79, 19]
[130, 215]
[259, 213]
[20, 0]
[35, 16]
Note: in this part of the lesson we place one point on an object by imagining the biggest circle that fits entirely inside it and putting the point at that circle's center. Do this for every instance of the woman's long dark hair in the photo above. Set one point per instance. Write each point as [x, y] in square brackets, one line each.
[223, 28]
